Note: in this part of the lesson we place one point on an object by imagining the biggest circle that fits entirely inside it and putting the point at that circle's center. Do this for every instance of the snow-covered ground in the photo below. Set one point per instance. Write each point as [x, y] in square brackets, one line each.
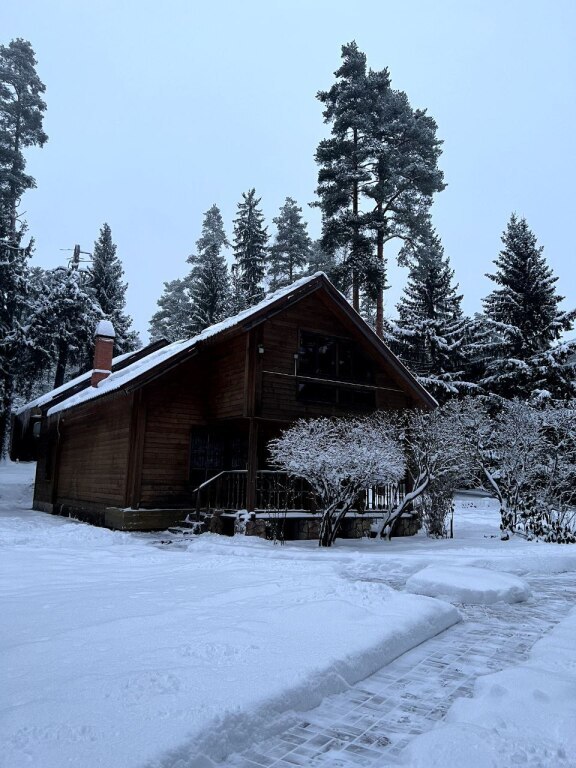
[120, 650]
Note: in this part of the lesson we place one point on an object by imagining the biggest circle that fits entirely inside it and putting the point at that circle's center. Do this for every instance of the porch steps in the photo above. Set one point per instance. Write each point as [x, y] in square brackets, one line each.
[186, 528]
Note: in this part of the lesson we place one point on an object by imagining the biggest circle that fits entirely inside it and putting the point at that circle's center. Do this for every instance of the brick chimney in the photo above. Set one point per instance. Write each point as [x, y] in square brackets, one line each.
[104, 347]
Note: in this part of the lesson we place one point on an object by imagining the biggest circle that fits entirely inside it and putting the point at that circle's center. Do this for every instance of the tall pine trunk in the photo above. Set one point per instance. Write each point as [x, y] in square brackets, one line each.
[61, 365]
[380, 288]
[355, 206]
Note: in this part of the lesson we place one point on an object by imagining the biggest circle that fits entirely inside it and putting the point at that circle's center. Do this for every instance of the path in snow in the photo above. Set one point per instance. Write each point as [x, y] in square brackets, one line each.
[372, 723]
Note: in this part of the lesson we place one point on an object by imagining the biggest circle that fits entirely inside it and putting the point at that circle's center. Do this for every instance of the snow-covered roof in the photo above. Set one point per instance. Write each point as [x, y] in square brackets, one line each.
[119, 379]
[48, 396]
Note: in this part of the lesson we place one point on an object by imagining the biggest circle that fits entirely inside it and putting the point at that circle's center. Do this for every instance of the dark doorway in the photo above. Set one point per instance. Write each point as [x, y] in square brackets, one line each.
[214, 450]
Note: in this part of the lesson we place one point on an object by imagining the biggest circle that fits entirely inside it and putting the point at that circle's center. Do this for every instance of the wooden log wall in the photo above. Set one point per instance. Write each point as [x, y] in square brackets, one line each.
[173, 404]
[92, 455]
[224, 368]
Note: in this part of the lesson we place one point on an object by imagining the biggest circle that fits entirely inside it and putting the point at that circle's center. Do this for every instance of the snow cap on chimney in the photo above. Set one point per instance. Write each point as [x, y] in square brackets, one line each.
[105, 328]
[103, 351]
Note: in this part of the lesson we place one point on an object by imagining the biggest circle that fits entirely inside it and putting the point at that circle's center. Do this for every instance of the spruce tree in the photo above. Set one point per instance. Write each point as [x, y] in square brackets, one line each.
[522, 316]
[172, 319]
[62, 323]
[250, 250]
[292, 246]
[21, 116]
[209, 281]
[431, 331]
[105, 281]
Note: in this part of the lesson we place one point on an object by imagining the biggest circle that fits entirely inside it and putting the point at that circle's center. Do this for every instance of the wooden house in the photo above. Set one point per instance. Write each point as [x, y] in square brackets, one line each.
[132, 450]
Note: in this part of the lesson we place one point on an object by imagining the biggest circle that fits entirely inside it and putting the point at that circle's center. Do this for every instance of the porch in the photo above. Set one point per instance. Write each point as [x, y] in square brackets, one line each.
[285, 507]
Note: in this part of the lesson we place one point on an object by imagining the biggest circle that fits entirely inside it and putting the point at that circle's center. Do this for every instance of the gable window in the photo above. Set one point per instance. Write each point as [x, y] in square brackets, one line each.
[338, 362]
[329, 357]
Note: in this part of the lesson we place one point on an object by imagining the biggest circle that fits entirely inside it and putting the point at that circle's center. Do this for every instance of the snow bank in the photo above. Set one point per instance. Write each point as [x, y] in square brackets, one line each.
[468, 585]
[524, 715]
[118, 652]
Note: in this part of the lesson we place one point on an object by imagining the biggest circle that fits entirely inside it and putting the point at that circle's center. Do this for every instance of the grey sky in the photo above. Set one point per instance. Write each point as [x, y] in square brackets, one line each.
[158, 110]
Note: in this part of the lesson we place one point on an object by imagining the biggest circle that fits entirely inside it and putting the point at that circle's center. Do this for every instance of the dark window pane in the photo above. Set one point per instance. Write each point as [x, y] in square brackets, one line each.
[327, 357]
[356, 398]
[311, 392]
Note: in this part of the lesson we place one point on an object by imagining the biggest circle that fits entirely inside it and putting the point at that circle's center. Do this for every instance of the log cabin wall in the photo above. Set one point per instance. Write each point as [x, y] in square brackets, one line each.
[281, 339]
[224, 367]
[173, 405]
[89, 459]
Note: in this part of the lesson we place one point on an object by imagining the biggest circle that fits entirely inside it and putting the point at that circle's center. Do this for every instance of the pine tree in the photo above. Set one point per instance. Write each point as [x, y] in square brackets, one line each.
[322, 261]
[404, 173]
[250, 250]
[377, 174]
[209, 281]
[522, 316]
[431, 331]
[21, 115]
[172, 319]
[105, 281]
[343, 169]
[292, 246]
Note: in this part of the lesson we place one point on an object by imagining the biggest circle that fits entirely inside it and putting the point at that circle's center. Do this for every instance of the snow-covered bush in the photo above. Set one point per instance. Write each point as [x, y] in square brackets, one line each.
[526, 457]
[436, 509]
[339, 459]
[437, 460]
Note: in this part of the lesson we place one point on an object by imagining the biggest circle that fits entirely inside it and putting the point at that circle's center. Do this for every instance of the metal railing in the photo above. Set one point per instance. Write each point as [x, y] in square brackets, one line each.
[277, 491]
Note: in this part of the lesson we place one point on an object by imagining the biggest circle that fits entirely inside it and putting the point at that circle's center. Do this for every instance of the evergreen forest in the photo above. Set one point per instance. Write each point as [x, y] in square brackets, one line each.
[378, 174]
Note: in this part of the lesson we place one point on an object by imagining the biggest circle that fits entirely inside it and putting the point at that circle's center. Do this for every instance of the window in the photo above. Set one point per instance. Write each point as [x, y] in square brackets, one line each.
[328, 357]
[336, 360]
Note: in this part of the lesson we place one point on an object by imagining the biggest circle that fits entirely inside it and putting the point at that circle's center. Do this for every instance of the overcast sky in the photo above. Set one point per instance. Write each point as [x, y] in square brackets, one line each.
[158, 110]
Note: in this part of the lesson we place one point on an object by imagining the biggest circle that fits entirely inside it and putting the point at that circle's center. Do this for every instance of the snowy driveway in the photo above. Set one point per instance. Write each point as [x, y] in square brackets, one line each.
[120, 651]
[372, 724]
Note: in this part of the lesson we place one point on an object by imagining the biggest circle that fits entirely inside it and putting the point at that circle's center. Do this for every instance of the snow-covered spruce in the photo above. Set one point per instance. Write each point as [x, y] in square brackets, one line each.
[209, 283]
[105, 283]
[514, 338]
[431, 332]
[21, 115]
[291, 249]
[250, 251]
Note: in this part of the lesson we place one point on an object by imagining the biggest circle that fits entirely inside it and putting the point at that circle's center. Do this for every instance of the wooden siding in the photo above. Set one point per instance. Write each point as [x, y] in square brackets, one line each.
[223, 368]
[173, 405]
[93, 454]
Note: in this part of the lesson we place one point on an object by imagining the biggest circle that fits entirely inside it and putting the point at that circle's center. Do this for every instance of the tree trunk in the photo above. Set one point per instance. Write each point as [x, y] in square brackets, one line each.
[6, 387]
[355, 285]
[61, 365]
[420, 486]
[325, 538]
[380, 293]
